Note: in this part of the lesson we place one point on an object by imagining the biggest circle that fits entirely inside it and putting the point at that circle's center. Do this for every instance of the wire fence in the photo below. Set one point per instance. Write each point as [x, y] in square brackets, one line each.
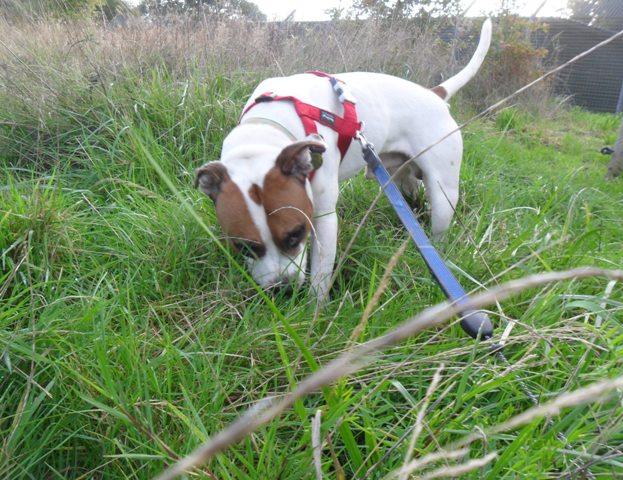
[594, 82]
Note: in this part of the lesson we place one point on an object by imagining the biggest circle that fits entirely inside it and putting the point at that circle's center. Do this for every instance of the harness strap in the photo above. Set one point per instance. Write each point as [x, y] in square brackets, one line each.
[346, 126]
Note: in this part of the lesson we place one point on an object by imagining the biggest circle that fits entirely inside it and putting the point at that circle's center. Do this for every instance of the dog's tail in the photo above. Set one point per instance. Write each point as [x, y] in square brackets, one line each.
[448, 88]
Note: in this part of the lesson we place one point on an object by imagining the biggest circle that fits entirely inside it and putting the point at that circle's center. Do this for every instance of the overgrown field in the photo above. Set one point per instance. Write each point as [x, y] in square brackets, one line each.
[127, 337]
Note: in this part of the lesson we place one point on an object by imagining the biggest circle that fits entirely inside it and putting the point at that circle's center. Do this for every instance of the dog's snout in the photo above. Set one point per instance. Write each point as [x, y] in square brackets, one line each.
[279, 274]
[284, 286]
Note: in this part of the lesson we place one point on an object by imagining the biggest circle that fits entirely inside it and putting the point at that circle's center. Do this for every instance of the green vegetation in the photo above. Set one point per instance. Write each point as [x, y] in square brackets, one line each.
[127, 337]
[29, 9]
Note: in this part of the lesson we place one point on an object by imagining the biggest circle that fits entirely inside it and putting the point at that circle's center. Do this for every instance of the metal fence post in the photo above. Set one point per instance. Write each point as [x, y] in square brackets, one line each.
[615, 167]
[620, 101]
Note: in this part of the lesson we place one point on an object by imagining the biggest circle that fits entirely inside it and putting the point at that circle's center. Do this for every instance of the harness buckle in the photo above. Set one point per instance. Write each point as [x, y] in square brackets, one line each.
[343, 93]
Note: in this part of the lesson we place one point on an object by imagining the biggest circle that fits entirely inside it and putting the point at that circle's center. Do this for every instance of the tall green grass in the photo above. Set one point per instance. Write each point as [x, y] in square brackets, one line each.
[127, 337]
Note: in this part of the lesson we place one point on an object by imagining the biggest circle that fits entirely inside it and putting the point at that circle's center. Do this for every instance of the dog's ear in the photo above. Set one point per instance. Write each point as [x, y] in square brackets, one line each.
[210, 177]
[296, 158]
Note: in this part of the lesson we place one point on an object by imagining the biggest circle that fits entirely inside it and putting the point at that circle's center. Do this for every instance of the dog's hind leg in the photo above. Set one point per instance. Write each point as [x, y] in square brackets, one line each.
[440, 167]
[408, 180]
[443, 194]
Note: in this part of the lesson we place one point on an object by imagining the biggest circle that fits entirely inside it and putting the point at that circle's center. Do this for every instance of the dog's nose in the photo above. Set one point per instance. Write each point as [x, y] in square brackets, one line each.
[284, 286]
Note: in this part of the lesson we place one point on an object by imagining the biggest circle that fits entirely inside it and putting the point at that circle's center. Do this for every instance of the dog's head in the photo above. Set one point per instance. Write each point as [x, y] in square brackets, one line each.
[266, 219]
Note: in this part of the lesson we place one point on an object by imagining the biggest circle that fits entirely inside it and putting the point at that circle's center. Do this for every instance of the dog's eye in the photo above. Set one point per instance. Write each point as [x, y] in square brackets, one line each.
[249, 249]
[294, 237]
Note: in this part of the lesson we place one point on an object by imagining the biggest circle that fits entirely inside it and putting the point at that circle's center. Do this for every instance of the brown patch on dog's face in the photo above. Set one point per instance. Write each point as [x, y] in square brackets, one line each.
[288, 209]
[440, 91]
[236, 221]
[231, 209]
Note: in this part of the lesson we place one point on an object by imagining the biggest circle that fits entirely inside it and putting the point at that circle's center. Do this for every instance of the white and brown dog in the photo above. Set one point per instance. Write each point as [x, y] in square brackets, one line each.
[267, 205]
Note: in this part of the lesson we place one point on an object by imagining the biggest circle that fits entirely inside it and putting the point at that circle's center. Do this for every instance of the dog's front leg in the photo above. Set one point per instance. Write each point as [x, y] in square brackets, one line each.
[324, 244]
[324, 238]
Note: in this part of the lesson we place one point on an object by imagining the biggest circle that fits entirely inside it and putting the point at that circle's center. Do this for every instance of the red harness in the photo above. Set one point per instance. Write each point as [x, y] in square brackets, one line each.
[346, 126]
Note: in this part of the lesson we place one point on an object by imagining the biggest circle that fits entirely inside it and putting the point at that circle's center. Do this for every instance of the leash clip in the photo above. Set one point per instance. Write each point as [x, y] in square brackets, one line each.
[360, 137]
[369, 155]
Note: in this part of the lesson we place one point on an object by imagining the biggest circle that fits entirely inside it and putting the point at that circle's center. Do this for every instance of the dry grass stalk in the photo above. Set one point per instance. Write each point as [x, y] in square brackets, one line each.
[353, 360]
[456, 470]
[593, 393]
[419, 421]
[591, 341]
[354, 336]
[317, 444]
[46, 61]
[419, 463]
